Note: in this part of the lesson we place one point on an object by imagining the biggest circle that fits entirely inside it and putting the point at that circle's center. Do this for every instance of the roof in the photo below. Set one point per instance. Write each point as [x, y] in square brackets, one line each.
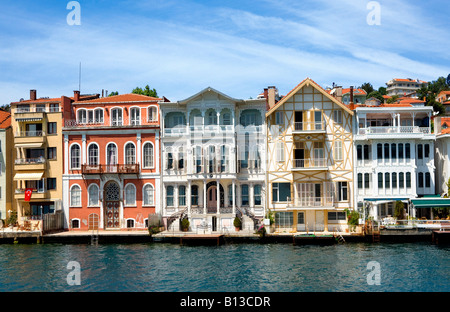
[83, 97]
[308, 82]
[445, 121]
[5, 119]
[208, 89]
[356, 91]
[121, 98]
[408, 80]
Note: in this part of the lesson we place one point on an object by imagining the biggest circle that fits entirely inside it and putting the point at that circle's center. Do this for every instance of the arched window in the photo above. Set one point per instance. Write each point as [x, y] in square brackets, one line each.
[135, 116]
[148, 155]
[111, 154]
[93, 155]
[152, 114]
[130, 195]
[75, 196]
[130, 154]
[81, 116]
[148, 195]
[93, 195]
[75, 223]
[116, 117]
[130, 223]
[75, 154]
[169, 196]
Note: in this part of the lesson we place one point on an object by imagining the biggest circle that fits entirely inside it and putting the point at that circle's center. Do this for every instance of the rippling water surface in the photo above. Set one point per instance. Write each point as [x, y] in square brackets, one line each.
[227, 268]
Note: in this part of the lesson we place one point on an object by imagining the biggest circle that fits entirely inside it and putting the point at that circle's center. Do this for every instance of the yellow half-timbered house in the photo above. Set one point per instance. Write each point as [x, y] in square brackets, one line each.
[310, 160]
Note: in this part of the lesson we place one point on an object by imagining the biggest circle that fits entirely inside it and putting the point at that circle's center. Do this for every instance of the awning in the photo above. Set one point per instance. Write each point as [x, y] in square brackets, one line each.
[431, 203]
[28, 119]
[28, 176]
[28, 145]
[385, 199]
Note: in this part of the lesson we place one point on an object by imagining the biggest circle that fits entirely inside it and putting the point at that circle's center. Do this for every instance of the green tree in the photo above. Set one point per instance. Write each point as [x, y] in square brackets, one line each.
[399, 210]
[431, 91]
[114, 93]
[376, 94]
[392, 99]
[146, 91]
[367, 86]
[382, 90]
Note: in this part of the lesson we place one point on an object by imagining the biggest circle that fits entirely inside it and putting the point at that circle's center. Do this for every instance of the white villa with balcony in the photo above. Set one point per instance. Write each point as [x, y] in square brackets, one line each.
[213, 161]
[394, 157]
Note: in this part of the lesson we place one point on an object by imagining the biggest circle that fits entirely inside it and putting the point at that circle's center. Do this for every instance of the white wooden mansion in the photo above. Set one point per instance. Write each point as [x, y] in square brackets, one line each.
[213, 161]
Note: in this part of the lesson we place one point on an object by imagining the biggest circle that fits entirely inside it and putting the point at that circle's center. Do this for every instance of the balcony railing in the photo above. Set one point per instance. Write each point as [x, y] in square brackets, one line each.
[118, 168]
[37, 110]
[114, 122]
[309, 126]
[29, 161]
[35, 133]
[308, 163]
[313, 201]
[395, 130]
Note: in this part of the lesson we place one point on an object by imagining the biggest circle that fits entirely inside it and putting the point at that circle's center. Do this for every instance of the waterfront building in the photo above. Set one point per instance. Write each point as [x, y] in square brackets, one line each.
[442, 152]
[394, 156]
[36, 125]
[6, 165]
[400, 86]
[310, 160]
[444, 98]
[111, 162]
[213, 161]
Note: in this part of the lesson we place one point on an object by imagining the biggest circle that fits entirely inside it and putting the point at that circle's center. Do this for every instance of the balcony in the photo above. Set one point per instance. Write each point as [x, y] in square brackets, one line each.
[25, 137]
[108, 169]
[309, 164]
[117, 122]
[37, 194]
[30, 164]
[391, 131]
[309, 127]
[311, 202]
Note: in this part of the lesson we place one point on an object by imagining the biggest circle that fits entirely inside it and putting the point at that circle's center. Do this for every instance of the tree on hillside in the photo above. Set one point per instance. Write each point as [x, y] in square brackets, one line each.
[382, 90]
[367, 86]
[431, 91]
[113, 93]
[146, 91]
[377, 95]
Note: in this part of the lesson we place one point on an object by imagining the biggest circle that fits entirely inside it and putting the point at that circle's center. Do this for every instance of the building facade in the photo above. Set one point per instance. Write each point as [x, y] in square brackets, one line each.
[111, 162]
[394, 149]
[213, 161]
[401, 86]
[310, 160]
[441, 154]
[6, 165]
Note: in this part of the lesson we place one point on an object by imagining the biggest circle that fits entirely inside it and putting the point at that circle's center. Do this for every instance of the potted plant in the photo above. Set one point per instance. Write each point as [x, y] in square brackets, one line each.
[237, 223]
[352, 219]
[185, 225]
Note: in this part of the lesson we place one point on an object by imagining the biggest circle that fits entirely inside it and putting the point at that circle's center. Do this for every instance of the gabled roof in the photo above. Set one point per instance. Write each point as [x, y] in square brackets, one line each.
[308, 82]
[5, 119]
[121, 98]
[208, 89]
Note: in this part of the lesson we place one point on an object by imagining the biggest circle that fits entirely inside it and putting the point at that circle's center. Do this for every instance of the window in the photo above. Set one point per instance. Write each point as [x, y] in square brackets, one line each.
[180, 158]
[419, 151]
[82, 116]
[116, 119]
[148, 155]
[51, 128]
[338, 150]
[336, 216]
[380, 180]
[387, 180]
[281, 192]
[54, 108]
[212, 118]
[169, 196]
[194, 195]
[386, 151]
[379, 151]
[93, 155]
[148, 195]
[75, 223]
[111, 154]
[280, 152]
[427, 150]
[226, 119]
[98, 115]
[182, 195]
[360, 181]
[169, 160]
[401, 180]
[130, 223]
[51, 153]
[400, 151]
[367, 180]
[342, 189]
[135, 116]
[130, 195]
[338, 116]
[408, 180]
[279, 118]
[51, 183]
[257, 195]
[420, 179]
[152, 113]
[318, 120]
[93, 195]
[284, 219]
[407, 151]
[394, 151]
[244, 195]
[75, 161]
[130, 154]
[359, 152]
[75, 196]
[394, 180]
[427, 179]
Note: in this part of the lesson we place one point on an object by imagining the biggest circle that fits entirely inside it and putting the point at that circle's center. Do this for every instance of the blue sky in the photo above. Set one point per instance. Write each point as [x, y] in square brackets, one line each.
[237, 47]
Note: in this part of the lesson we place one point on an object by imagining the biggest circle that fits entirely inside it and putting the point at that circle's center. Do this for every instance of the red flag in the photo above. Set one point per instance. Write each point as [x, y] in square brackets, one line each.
[28, 192]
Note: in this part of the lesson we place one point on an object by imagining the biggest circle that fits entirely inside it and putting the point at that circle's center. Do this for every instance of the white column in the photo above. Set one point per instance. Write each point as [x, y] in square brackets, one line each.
[66, 153]
[375, 211]
[156, 152]
[204, 196]
[188, 199]
[233, 196]
[218, 197]
[83, 149]
[138, 150]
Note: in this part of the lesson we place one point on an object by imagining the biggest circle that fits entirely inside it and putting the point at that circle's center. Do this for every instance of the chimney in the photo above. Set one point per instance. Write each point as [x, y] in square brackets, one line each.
[272, 93]
[266, 96]
[351, 104]
[338, 94]
[76, 96]
[33, 95]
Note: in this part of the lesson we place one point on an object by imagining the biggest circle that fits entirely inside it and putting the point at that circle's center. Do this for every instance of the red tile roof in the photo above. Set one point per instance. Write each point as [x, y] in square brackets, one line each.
[5, 119]
[130, 97]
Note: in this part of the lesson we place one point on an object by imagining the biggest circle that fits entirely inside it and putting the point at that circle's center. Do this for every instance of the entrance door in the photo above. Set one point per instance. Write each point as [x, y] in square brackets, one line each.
[301, 222]
[298, 120]
[299, 158]
[93, 222]
[212, 198]
[112, 205]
